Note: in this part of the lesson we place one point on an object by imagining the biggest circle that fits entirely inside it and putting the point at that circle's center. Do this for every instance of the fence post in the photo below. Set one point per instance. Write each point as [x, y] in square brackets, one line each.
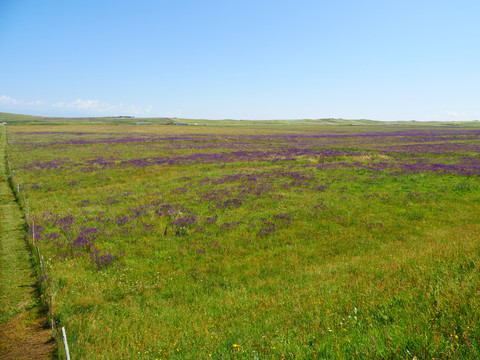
[65, 343]
[50, 309]
[43, 268]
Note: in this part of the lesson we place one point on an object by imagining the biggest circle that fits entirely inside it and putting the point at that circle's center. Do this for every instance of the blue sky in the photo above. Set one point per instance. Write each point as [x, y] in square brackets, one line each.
[242, 59]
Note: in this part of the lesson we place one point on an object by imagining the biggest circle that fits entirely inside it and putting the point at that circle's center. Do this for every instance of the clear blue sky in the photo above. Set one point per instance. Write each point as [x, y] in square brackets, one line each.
[242, 59]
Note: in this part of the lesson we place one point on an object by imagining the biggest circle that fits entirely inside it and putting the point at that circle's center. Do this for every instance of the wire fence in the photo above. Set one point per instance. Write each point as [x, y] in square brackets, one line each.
[39, 259]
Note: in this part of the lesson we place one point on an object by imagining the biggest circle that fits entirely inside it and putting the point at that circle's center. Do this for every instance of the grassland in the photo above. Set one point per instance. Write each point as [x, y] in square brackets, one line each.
[18, 119]
[22, 332]
[265, 242]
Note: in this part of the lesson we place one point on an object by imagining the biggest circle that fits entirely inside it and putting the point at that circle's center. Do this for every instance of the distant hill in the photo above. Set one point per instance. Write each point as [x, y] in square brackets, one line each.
[42, 120]
[7, 117]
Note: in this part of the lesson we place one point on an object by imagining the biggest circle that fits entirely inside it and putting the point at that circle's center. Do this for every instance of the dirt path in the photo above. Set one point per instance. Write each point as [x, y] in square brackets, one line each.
[22, 331]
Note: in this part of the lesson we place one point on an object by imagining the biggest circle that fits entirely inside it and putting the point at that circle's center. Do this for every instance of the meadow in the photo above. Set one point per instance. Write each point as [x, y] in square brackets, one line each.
[272, 242]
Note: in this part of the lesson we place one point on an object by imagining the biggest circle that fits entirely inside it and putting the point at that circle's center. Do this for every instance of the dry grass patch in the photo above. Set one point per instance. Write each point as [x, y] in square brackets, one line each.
[23, 339]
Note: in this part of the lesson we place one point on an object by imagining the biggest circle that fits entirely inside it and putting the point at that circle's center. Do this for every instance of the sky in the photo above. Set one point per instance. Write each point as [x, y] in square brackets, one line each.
[242, 59]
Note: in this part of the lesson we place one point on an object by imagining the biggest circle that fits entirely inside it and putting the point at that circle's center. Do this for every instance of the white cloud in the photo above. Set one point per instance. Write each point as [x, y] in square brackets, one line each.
[453, 114]
[36, 103]
[175, 114]
[96, 107]
[79, 107]
[7, 100]
[431, 117]
[138, 111]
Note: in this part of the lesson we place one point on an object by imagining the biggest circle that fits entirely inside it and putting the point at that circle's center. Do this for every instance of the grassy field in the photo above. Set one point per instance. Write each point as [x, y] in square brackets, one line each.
[22, 319]
[265, 242]
[18, 119]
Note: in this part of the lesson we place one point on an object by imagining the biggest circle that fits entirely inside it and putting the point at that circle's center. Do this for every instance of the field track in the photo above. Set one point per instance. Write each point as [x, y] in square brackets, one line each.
[22, 331]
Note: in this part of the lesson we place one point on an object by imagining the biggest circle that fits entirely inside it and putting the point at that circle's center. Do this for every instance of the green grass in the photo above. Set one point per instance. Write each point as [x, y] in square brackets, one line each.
[21, 313]
[372, 264]
[20, 119]
[15, 267]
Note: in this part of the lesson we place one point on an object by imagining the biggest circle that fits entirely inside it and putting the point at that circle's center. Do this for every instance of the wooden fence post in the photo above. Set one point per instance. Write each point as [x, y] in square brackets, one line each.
[43, 268]
[50, 304]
